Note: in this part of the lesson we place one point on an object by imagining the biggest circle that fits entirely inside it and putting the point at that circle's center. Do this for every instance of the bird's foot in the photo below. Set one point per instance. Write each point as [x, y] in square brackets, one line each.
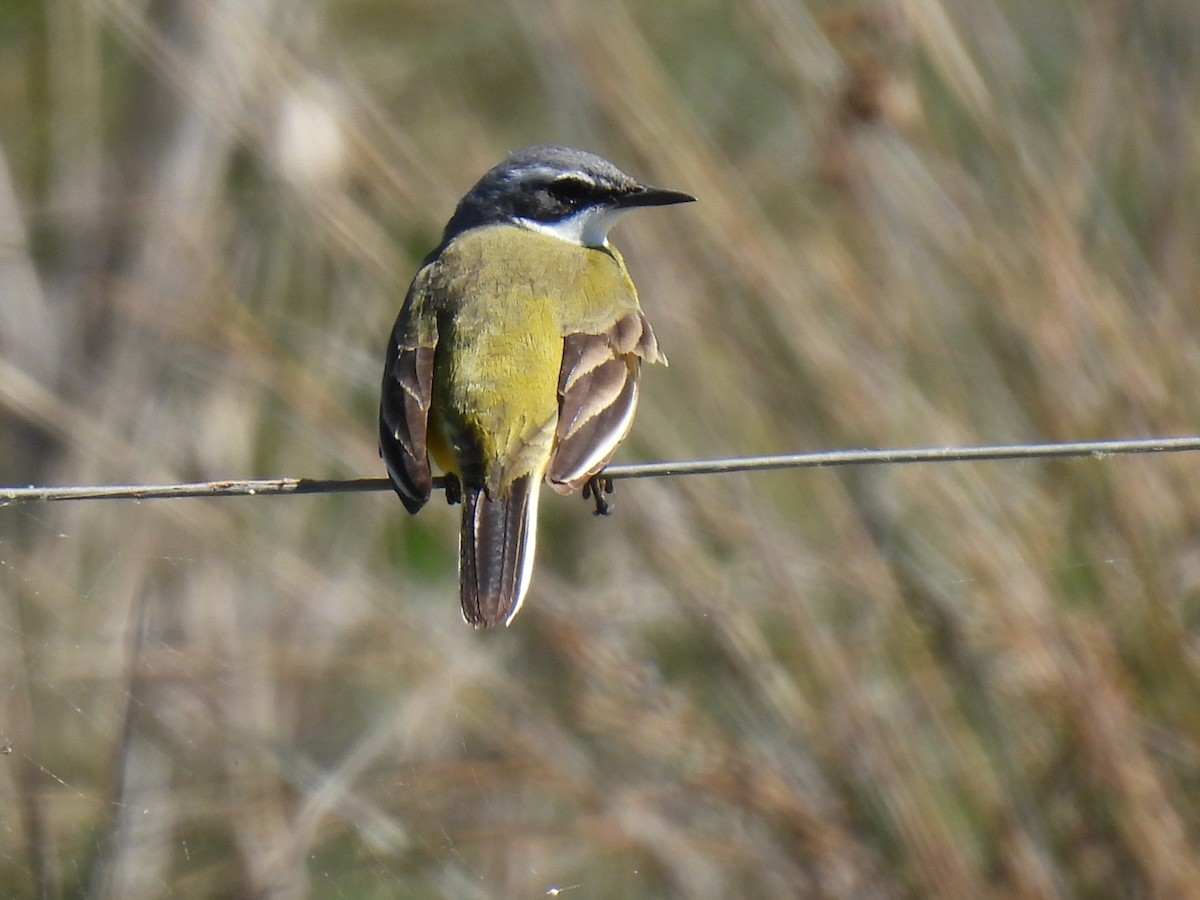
[595, 489]
[452, 488]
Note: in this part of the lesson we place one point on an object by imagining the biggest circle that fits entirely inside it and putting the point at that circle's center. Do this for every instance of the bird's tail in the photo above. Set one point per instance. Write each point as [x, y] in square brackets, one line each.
[495, 555]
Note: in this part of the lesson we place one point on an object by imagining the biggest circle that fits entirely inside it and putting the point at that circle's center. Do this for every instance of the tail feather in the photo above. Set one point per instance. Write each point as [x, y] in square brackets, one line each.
[496, 548]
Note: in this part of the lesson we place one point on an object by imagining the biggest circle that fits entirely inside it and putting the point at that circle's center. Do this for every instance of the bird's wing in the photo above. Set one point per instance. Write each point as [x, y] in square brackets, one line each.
[598, 393]
[404, 407]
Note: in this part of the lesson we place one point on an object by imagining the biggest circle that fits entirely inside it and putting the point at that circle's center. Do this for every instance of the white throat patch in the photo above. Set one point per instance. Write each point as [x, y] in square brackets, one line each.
[588, 227]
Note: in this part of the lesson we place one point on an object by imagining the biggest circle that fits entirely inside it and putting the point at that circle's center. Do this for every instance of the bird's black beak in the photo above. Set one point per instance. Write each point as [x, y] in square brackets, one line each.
[644, 195]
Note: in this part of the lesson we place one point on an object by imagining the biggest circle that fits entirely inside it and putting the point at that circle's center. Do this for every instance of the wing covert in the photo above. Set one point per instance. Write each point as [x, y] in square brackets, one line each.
[598, 394]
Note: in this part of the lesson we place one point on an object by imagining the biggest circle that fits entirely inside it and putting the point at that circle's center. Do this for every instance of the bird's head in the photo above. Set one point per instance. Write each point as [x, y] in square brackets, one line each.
[570, 194]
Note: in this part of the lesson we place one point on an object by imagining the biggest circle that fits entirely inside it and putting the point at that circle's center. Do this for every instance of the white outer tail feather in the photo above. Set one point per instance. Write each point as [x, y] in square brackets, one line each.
[530, 546]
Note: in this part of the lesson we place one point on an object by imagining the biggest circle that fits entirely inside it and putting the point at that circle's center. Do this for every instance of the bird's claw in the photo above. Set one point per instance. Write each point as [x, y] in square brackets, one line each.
[452, 488]
[595, 489]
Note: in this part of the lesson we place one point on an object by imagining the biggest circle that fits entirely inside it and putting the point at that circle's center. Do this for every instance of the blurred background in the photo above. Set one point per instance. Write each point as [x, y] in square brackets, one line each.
[920, 223]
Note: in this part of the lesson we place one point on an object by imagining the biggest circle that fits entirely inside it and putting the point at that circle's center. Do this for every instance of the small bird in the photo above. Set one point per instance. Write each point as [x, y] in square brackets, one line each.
[515, 359]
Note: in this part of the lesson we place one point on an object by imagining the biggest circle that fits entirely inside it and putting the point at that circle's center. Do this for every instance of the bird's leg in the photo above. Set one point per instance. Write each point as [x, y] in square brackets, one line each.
[595, 488]
[452, 488]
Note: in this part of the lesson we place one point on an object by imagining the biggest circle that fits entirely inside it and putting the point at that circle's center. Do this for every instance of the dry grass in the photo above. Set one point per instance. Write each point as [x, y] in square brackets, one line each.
[920, 222]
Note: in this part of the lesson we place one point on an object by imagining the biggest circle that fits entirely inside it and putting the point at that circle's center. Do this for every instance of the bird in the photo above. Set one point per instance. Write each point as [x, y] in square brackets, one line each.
[515, 359]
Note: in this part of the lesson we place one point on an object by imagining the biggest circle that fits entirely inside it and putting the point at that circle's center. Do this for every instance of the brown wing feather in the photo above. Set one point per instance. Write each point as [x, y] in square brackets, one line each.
[598, 392]
[404, 421]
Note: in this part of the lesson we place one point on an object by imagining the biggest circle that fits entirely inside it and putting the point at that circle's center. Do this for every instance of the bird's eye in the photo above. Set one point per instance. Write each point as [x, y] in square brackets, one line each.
[572, 190]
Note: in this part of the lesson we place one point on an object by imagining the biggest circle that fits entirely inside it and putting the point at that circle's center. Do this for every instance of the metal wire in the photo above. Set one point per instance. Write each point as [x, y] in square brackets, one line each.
[276, 486]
